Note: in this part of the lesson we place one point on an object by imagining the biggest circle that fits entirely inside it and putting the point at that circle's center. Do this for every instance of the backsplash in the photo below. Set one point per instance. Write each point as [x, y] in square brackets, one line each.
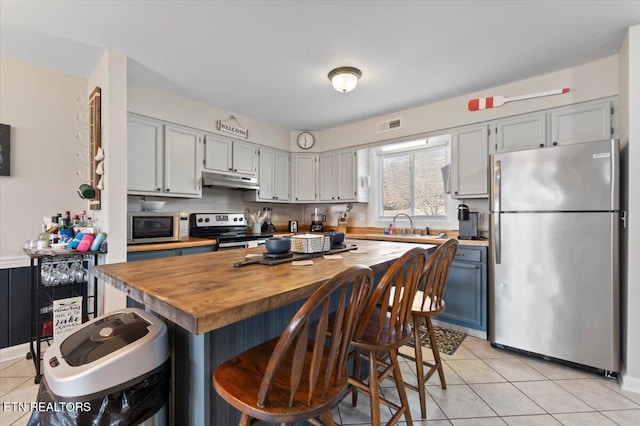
[217, 200]
[230, 201]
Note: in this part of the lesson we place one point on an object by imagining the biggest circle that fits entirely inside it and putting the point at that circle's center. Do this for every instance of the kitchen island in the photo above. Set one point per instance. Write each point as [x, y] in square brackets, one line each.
[217, 310]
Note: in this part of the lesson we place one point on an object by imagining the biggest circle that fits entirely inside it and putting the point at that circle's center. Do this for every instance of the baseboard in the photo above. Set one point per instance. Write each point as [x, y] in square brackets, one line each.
[466, 330]
[14, 352]
[629, 383]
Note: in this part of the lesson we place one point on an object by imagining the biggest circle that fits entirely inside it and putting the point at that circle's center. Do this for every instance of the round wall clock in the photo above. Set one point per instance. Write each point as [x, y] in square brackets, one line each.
[306, 140]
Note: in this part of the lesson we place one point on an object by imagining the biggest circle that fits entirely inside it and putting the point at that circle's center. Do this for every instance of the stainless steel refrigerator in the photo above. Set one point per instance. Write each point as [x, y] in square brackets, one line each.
[555, 287]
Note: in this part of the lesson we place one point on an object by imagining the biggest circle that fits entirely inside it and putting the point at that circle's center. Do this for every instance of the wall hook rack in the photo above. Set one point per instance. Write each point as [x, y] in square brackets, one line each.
[81, 159]
[82, 178]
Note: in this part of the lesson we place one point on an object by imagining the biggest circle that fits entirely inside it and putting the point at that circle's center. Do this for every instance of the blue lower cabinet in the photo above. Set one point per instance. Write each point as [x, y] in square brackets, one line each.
[466, 291]
[15, 306]
[4, 308]
[151, 254]
[19, 305]
[194, 250]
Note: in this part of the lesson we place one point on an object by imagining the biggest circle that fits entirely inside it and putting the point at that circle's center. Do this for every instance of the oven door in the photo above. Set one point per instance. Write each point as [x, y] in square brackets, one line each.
[235, 244]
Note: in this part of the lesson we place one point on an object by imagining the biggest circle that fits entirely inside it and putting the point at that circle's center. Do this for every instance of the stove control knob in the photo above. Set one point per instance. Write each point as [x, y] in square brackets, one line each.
[235, 219]
[206, 219]
[199, 220]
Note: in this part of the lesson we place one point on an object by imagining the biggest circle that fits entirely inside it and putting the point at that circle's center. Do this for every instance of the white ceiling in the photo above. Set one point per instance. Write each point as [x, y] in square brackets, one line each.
[269, 59]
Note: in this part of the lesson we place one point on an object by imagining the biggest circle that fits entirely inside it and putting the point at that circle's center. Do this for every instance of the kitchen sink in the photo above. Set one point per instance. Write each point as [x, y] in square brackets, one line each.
[426, 237]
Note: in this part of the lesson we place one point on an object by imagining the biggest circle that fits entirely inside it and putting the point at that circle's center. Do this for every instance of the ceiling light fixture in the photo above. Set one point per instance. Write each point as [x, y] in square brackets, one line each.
[344, 79]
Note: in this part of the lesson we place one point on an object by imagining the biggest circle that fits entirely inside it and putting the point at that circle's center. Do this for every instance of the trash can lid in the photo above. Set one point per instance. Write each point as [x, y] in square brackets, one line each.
[103, 337]
[106, 354]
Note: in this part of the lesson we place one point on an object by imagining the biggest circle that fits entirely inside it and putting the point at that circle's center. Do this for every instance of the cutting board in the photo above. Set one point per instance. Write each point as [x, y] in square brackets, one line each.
[296, 256]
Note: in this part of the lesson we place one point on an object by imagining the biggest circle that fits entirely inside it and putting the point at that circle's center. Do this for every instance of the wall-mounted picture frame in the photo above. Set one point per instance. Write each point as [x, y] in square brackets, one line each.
[5, 150]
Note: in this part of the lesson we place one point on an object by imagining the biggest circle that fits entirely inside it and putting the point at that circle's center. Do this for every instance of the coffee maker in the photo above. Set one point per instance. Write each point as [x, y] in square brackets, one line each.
[467, 223]
[267, 226]
[316, 221]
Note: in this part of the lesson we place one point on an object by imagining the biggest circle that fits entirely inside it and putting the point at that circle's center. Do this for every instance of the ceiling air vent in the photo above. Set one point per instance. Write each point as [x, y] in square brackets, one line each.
[389, 125]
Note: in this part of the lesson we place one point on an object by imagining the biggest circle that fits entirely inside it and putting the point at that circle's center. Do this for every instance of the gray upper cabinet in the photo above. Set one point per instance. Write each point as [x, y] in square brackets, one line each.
[227, 155]
[469, 172]
[584, 122]
[273, 177]
[305, 177]
[162, 159]
[521, 132]
[338, 176]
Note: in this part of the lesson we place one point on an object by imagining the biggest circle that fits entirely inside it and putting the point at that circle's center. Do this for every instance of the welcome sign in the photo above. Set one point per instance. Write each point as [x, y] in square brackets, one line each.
[228, 127]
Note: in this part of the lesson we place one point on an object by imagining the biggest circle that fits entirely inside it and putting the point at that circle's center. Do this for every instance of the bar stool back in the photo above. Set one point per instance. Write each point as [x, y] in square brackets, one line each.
[302, 374]
[385, 327]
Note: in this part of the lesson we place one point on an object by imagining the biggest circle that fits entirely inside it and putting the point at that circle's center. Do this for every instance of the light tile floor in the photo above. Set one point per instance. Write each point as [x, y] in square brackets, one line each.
[485, 387]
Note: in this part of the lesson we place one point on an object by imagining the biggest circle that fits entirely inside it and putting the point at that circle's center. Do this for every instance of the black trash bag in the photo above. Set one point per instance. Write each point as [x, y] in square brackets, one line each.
[126, 407]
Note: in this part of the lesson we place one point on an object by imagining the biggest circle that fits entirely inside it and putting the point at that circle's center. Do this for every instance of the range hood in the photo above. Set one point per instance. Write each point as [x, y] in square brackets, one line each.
[221, 180]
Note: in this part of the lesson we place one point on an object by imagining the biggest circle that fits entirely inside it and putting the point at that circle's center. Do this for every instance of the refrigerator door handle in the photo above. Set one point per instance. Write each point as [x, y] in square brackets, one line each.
[497, 176]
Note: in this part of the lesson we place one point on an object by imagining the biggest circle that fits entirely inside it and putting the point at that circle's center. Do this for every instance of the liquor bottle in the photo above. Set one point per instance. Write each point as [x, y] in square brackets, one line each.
[53, 231]
[43, 238]
[65, 232]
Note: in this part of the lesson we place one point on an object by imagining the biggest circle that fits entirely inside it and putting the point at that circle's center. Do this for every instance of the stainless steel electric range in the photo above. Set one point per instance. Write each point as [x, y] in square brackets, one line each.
[229, 229]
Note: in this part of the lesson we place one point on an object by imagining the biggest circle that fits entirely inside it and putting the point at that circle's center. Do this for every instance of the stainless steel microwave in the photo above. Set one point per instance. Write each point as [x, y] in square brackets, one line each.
[157, 227]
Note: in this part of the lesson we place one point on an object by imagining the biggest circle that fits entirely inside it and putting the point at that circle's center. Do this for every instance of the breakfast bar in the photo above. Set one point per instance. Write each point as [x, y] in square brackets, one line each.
[216, 310]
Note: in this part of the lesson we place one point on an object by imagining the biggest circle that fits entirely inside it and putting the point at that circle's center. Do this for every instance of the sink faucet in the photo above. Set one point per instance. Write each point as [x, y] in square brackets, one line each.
[407, 216]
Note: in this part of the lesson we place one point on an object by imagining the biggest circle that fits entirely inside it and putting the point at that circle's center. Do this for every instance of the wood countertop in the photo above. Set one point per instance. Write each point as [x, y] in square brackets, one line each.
[191, 242]
[204, 292]
[416, 239]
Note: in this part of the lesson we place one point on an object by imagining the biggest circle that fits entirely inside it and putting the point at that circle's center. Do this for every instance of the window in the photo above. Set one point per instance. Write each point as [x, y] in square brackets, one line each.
[411, 180]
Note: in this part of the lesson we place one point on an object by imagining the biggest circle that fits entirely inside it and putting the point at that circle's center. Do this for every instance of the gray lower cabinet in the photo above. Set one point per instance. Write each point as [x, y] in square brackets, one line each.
[466, 291]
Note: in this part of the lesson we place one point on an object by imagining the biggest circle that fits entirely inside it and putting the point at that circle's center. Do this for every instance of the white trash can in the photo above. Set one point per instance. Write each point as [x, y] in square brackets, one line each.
[114, 369]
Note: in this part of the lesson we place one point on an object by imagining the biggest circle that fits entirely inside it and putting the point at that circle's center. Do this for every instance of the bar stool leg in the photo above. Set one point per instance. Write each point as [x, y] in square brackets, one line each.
[356, 374]
[419, 366]
[397, 375]
[374, 388]
[327, 419]
[245, 420]
[436, 352]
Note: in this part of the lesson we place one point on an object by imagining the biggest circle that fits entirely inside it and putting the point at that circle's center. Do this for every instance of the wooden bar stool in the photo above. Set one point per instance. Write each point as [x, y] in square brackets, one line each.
[428, 302]
[295, 377]
[385, 327]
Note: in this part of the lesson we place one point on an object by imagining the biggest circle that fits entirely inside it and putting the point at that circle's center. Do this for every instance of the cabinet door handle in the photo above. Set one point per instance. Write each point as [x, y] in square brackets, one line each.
[168, 190]
[541, 145]
[158, 189]
[230, 169]
[555, 143]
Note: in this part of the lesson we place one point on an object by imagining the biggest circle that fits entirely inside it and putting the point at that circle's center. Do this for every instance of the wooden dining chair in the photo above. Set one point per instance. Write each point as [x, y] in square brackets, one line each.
[302, 374]
[428, 302]
[384, 328]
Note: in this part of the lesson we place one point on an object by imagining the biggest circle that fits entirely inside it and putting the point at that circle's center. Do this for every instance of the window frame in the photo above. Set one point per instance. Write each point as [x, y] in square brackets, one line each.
[387, 151]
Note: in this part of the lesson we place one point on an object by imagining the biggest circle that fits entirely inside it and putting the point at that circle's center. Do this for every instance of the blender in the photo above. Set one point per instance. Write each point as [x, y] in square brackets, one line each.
[316, 221]
[267, 226]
